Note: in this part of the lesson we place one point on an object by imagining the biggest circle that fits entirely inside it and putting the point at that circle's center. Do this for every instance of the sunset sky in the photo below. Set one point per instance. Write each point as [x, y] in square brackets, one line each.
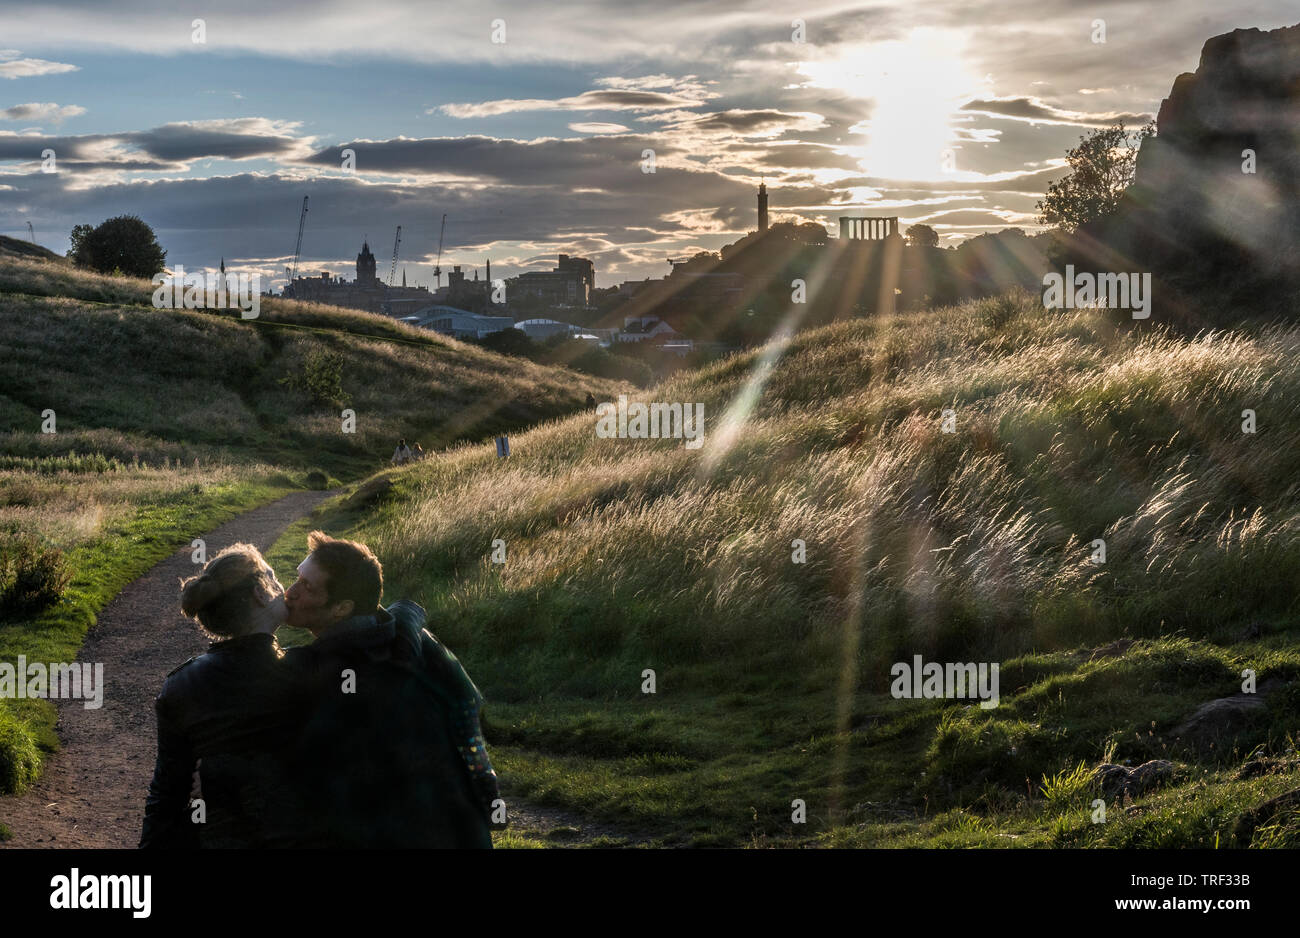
[533, 146]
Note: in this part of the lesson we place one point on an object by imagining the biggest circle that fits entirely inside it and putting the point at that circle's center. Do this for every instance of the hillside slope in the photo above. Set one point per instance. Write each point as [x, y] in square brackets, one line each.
[168, 422]
[773, 662]
[16, 248]
[187, 383]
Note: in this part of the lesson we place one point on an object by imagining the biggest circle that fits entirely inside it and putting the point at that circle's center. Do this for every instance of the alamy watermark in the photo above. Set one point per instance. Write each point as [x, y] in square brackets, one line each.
[655, 421]
[213, 291]
[951, 681]
[89, 891]
[55, 681]
[1111, 290]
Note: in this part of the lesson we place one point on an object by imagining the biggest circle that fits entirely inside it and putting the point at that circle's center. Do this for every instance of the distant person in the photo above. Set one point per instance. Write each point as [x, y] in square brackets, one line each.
[418, 452]
[392, 754]
[224, 717]
[402, 454]
[591, 402]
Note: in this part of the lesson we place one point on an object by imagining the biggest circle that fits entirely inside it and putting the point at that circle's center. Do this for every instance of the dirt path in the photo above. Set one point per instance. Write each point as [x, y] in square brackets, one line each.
[92, 791]
[560, 828]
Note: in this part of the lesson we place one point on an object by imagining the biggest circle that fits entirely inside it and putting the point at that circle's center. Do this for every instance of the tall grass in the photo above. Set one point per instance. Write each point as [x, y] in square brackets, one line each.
[918, 541]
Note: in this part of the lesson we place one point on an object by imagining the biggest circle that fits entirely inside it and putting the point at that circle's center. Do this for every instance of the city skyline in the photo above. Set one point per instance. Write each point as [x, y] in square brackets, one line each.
[956, 116]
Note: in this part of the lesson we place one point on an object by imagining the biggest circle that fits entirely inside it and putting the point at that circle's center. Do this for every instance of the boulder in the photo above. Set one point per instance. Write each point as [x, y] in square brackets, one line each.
[1119, 780]
[1218, 722]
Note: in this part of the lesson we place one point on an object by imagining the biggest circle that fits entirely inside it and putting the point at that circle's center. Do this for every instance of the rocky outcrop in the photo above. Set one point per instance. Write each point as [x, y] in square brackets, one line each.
[1192, 211]
[1118, 780]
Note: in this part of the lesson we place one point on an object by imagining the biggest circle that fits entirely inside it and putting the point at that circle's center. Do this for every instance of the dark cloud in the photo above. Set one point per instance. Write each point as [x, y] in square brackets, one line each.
[165, 148]
[1032, 109]
[748, 122]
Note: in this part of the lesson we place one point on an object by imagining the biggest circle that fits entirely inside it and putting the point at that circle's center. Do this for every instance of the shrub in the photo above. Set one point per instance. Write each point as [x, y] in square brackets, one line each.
[321, 377]
[124, 245]
[32, 575]
[19, 760]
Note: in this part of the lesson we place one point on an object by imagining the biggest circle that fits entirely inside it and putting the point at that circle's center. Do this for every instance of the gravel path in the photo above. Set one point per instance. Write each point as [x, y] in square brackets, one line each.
[92, 792]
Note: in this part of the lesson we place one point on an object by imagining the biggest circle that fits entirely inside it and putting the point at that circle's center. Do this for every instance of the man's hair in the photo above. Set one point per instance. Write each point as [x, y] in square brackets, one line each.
[353, 572]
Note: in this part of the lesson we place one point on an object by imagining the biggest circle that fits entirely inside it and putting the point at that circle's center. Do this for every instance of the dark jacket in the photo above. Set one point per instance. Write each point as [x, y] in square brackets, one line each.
[392, 755]
[229, 714]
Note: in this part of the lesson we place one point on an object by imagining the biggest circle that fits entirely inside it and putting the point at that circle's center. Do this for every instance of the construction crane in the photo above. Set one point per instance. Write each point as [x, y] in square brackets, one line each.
[31, 232]
[392, 271]
[297, 251]
[437, 266]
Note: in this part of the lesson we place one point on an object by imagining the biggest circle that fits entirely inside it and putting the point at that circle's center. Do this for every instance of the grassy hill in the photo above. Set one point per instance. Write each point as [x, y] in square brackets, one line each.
[15, 248]
[186, 383]
[170, 421]
[977, 545]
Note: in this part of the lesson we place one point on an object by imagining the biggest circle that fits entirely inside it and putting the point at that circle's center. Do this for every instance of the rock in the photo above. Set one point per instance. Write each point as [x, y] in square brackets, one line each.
[1218, 722]
[1116, 780]
[1244, 830]
[1192, 213]
[1149, 775]
[1256, 768]
[1112, 778]
[1114, 650]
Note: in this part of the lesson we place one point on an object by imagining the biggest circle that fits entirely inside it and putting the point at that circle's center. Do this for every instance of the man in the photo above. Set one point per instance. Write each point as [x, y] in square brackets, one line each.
[393, 754]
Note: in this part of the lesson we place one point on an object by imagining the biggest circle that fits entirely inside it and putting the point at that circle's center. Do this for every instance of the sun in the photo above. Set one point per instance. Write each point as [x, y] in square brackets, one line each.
[914, 87]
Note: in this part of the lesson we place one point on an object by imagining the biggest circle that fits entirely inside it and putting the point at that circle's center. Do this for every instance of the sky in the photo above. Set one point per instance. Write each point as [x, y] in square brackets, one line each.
[528, 124]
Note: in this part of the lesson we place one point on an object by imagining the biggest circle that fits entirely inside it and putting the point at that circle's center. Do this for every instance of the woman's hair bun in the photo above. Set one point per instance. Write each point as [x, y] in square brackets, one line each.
[197, 592]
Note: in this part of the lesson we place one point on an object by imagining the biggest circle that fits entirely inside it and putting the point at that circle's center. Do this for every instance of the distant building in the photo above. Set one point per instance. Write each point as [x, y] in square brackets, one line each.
[539, 330]
[367, 292]
[762, 206]
[646, 328]
[458, 323]
[570, 283]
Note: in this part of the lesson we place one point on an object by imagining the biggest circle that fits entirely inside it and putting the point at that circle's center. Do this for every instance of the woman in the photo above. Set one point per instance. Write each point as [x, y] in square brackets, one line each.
[224, 716]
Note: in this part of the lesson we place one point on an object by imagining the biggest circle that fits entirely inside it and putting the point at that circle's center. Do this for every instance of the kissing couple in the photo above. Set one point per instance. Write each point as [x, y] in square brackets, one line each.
[369, 737]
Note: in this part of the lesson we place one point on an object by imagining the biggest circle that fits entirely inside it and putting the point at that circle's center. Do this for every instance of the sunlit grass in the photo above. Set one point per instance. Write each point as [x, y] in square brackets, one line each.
[976, 545]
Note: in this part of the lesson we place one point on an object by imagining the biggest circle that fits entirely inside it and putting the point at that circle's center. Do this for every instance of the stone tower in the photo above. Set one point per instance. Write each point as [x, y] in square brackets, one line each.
[365, 265]
[762, 206]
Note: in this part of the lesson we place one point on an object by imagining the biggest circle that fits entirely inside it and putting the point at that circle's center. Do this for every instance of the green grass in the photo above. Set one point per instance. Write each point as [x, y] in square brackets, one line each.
[169, 422]
[773, 676]
[131, 379]
[155, 526]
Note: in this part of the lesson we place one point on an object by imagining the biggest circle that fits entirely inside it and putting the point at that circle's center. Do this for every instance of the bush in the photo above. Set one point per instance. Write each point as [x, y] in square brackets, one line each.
[317, 480]
[321, 377]
[32, 575]
[19, 760]
[121, 245]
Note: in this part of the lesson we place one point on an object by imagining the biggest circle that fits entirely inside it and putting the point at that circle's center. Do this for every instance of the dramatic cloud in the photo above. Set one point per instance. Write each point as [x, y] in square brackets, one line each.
[1040, 112]
[764, 123]
[956, 110]
[167, 148]
[41, 112]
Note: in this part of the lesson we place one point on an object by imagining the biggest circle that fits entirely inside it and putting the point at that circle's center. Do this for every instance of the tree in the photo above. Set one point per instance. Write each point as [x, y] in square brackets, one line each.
[78, 238]
[922, 236]
[123, 243]
[511, 341]
[1101, 168]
